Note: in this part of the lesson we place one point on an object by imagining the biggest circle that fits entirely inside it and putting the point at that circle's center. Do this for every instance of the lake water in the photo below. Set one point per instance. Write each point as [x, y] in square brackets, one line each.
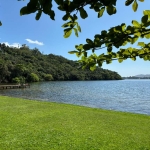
[122, 95]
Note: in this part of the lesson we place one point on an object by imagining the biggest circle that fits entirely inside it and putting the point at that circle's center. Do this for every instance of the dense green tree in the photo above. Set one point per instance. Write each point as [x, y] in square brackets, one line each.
[21, 65]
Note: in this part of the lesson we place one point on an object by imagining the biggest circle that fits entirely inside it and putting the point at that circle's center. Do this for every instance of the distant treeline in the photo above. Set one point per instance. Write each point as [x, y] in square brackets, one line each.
[30, 65]
[134, 77]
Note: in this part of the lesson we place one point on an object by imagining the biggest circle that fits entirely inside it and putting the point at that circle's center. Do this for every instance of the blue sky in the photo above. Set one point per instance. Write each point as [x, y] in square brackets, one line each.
[47, 35]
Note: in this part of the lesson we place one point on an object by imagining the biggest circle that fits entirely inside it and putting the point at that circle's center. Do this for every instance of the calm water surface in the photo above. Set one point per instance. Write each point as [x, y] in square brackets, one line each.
[125, 95]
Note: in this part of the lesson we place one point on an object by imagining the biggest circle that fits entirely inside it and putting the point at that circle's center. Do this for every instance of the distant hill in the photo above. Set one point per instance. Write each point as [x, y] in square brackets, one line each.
[142, 75]
[30, 65]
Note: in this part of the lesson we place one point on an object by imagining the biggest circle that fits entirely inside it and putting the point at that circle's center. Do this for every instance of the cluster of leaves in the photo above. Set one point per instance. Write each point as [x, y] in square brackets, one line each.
[116, 37]
[30, 65]
[71, 9]
[38, 6]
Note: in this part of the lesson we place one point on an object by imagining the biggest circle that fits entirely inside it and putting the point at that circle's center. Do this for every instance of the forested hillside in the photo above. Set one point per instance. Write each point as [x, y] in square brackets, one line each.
[30, 65]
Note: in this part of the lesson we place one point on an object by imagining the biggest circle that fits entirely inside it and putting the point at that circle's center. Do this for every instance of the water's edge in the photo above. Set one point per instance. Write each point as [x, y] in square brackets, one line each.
[124, 95]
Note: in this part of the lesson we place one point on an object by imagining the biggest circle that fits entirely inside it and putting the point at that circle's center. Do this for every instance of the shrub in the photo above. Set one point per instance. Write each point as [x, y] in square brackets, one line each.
[48, 77]
[16, 80]
[33, 77]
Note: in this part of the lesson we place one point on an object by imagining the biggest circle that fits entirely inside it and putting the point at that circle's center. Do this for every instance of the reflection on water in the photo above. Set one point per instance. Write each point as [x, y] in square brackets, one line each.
[125, 95]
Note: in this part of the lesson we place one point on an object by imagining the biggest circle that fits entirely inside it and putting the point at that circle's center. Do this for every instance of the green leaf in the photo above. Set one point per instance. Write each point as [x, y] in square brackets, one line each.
[72, 52]
[142, 44]
[60, 7]
[24, 11]
[141, 0]
[75, 17]
[66, 25]
[111, 10]
[135, 23]
[133, 58]
[78, 27]
[86, 47]
[100, 14]
[59, 2]
[147, 36]
[125, 43]
[137, 34]
[0, 23]
[141, 52]
[38, 15]
[145, 57]
[103, 32]
[67, 32]
[113, 2]
[65, 17]
[118, 29]
[92, 68]
[120, 60]
[109, 49]
[130, 50]
[128, 2]
[96, 8]
[89, 41]
[83, 13]
[108, 61]
[100, 63]
[51, 13]
[85, 54]
[123, 26]
[134, 39]
[147, 24]
[130, 29]
[93, 50]
[78, 54]
[47, 7]
[75, 31]
[114, 55]
[135, 6]
[79, 47]
[147, 12]
[144, 19]
[97, 42]
[32, 6]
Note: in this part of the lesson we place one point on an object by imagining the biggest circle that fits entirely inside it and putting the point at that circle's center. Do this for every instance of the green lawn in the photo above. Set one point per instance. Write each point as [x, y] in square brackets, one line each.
[36, 125]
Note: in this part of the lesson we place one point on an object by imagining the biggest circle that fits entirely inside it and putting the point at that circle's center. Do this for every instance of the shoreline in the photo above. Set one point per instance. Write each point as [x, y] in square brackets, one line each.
[59, 103]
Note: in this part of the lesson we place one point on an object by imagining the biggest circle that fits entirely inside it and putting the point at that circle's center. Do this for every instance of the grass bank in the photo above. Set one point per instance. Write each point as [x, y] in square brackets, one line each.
[35, 125]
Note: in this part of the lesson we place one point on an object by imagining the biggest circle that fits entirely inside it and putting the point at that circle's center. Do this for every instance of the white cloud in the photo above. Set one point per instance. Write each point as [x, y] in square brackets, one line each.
[34, 42]
[17, 45]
